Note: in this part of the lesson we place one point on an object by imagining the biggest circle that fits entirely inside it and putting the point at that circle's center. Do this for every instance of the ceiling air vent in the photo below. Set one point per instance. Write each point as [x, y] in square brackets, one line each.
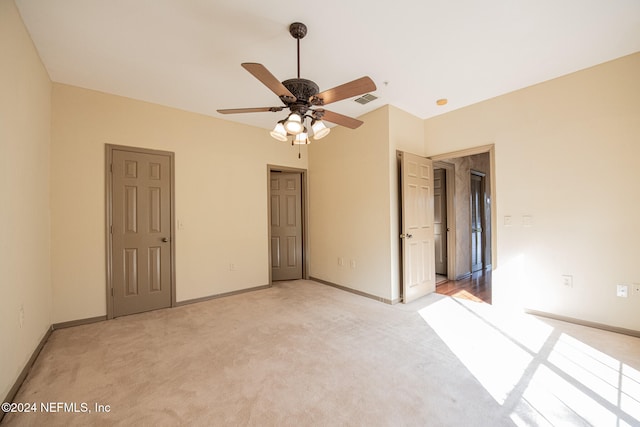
[365, 99]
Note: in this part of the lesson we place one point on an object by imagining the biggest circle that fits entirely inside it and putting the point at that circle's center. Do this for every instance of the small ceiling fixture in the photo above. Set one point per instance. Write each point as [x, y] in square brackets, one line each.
[303, 97]
[442, 101]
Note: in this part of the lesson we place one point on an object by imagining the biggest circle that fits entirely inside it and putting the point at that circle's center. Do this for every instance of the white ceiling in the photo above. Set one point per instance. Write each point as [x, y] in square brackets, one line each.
[187, 53]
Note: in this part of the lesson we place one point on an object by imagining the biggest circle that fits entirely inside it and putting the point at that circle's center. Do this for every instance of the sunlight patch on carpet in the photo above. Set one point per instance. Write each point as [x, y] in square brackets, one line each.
[477, 344]
[540, 375]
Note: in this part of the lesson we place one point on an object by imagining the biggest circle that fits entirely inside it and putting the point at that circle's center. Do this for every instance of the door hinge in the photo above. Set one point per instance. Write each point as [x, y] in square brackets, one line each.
[111, 229]
[111, 291]
[111, 167]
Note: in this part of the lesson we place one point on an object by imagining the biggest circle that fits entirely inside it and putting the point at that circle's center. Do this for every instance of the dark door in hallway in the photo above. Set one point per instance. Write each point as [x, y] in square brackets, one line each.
[477, 221]
[440, 227]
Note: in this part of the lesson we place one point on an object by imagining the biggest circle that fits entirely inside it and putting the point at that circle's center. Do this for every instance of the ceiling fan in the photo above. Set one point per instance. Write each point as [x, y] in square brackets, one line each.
[304, 99]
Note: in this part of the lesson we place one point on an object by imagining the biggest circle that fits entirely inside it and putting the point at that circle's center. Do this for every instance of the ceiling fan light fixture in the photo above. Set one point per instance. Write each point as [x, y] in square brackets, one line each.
[319, 129]
[301, 138]
[293, 124]
[279, 132]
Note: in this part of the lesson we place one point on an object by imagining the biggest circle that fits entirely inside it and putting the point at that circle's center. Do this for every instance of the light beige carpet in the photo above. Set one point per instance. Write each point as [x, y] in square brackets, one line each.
[302, 353]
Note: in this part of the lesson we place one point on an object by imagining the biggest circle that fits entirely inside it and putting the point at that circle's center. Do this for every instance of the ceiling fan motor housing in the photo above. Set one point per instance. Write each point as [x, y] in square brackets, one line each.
[304, 90]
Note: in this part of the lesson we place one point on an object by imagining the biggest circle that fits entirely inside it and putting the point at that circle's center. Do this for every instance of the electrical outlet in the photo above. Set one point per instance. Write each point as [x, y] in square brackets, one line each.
[232, 267]
[353, 263]
[340, 261]
[567, 280]
[622, 291]
[636, 288]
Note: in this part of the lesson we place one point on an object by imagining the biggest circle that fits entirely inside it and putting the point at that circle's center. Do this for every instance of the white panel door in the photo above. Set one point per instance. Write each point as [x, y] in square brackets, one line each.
[417, 236]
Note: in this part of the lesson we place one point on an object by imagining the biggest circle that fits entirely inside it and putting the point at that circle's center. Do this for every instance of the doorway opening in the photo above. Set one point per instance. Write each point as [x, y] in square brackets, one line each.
[467, 253]
[287, 207]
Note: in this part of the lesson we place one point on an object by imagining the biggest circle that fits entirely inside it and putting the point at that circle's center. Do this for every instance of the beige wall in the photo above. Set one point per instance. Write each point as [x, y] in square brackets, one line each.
[566, 153]
[349, 206]
[25, 105]
[221, 195]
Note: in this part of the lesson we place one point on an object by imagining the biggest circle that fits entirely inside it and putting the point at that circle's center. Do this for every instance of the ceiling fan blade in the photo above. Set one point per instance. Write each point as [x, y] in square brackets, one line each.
[249, 110]
[340, 119]
[261, 73]
[347, 90]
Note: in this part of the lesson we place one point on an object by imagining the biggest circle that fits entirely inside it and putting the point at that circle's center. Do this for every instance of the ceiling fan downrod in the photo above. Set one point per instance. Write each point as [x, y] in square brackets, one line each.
[298, 30]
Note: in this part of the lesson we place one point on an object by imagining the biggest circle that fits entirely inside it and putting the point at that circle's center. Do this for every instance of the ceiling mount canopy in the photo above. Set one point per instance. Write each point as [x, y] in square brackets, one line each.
[303, 98]
[298, 30]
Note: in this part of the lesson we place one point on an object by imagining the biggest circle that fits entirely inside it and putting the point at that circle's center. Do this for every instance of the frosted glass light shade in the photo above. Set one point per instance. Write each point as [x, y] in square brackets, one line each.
[301, 138]
[293, 125]
[319, 130]
[279, 132]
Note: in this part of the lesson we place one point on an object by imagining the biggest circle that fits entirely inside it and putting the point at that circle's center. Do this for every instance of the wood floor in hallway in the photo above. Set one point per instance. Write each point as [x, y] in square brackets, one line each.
[476, 287]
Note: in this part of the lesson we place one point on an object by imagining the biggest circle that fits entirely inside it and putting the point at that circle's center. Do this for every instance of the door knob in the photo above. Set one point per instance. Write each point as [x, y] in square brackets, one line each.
[408, 236]
[164, 239]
